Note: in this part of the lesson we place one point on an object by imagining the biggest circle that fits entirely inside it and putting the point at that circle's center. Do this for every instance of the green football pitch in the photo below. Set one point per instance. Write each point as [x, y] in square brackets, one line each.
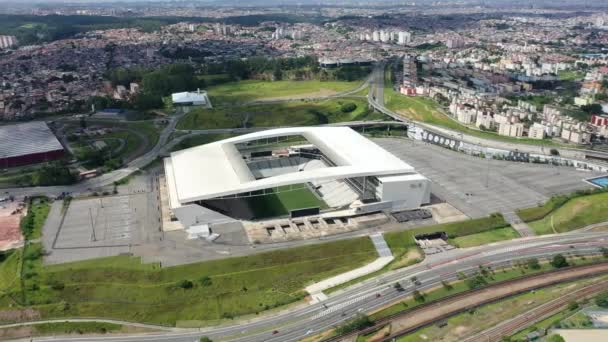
[283, 201]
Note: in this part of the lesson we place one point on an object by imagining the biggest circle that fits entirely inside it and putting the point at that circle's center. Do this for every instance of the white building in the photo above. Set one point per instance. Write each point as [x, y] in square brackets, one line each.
[201, 179]
[537, 131]
[511, 130]
[198, 98]
[7, 41]
[404, 38]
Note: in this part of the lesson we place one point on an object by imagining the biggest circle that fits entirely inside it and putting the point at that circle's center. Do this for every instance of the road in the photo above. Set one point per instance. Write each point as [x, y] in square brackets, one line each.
[296, 323]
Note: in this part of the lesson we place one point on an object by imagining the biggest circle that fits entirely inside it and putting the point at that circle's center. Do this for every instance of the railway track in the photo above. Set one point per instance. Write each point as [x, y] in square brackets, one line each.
[537, 314]
[440, 309]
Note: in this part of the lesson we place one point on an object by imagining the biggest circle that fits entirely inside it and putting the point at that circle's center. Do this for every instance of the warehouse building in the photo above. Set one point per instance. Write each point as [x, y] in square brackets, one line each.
[28, 143]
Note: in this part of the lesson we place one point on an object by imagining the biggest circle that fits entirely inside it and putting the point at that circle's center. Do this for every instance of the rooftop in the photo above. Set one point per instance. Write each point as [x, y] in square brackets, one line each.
[217, 169]
[27, 138]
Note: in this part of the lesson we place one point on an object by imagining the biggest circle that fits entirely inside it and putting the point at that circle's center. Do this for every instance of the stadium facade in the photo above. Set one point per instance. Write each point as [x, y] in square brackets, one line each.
[205, 183]
[28, 143]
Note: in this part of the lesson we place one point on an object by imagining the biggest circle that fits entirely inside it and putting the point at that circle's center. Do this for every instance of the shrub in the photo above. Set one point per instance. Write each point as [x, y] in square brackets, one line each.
[602, 300]
[358, 323]
[206, 281]
[348, 107]
[185, 284]
[559, 261]
[533, 264]
[419, 297]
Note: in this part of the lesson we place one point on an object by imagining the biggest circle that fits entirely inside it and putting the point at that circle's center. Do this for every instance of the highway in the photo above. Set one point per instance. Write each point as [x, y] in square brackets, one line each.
[296, 323]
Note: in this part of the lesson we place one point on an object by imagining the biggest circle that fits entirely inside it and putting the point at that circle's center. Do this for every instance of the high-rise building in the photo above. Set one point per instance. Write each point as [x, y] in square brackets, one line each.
[410, 72]
[454, 43]
[376, 36]
[404, 38]
[7, 42]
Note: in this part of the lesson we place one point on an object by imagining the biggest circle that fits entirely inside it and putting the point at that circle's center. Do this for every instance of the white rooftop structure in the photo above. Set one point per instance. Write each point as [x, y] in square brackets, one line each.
[198, 98]
[221, 170]
[218, 169]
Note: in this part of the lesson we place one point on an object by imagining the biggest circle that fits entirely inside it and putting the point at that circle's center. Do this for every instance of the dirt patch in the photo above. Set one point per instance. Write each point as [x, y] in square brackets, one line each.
[323, 92]
[10, 216]
[408, 113]
[19, 315]
[461, 330]
[408, 258]
[18, 332]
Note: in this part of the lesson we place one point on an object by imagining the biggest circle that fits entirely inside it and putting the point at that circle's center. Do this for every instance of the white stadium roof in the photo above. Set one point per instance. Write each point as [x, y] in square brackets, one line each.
[218, 169]
[27, 138]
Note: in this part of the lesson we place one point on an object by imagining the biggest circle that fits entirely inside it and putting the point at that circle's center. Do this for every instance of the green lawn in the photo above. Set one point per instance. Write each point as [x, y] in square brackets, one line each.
[404, 240]
[555, 202]
[121, 287]
[197, 140]
[576, 213]
[483, 238]
[282, 202]
[40, 209]
[250, 90]
[298, 113]
[76, 327]
[10, 262]
[570, 75]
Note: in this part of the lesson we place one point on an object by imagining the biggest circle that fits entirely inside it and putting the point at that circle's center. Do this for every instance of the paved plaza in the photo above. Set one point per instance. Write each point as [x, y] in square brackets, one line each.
[479, 187]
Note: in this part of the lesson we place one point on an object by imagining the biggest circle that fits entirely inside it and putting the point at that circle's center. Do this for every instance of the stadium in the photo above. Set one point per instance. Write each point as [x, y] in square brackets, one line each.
[289, 172]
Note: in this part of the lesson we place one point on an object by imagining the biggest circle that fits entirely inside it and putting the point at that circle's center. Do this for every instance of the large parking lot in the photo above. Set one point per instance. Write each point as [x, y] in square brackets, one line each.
[479, 186]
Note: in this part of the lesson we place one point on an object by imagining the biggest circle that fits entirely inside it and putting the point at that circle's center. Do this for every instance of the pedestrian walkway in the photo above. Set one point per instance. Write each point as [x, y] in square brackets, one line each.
[520, 226]
[385, 257]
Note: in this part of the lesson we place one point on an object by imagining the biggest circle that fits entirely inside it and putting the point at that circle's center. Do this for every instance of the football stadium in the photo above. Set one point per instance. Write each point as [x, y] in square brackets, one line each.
[288, 173]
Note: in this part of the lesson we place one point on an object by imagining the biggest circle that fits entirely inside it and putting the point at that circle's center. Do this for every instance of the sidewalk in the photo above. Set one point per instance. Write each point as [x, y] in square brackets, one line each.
[385, 257]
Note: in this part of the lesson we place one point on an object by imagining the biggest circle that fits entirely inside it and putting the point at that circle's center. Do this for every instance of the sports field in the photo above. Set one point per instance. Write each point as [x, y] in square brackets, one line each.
[283, 201]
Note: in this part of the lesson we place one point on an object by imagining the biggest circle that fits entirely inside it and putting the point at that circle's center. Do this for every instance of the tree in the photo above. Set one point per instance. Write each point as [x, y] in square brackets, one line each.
[205, 339]
[559, 261]
[604, 252]
[555, 338]
[419, 297]
[602, 300]
[348, 107]
[533, 264]
[185, 284]
[206, 281]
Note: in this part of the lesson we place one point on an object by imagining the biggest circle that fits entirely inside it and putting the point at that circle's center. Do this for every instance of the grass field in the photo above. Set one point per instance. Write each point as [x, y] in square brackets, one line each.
[282, 202]
[576, 213]
[570, 75]
[404, 240]
[121, 287]
[298, 113]
[494, 235]
[199, 140]
[555, 202]
[250, 90]
[40, 209]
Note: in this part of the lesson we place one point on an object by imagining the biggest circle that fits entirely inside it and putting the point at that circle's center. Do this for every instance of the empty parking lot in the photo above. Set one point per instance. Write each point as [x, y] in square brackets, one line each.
[479, 186]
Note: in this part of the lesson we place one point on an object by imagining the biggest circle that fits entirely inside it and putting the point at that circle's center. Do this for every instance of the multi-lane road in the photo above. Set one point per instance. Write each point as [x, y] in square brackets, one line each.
[304, 320]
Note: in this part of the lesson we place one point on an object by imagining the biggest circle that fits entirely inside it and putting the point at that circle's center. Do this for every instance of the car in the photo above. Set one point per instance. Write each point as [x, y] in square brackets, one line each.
[378, 295]
[274, 332]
